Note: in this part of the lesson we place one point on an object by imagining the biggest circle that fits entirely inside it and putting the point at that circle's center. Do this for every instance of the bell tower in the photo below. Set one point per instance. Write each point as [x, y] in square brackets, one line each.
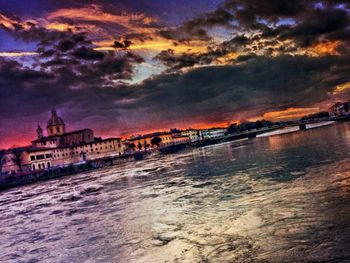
[39, 132]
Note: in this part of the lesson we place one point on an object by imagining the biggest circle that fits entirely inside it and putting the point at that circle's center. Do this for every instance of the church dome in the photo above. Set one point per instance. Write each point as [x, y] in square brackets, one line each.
[54, 120]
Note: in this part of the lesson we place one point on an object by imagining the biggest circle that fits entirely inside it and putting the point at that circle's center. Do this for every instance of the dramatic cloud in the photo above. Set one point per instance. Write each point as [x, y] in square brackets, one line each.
[204, 95]
[265, 28]
[243, 59]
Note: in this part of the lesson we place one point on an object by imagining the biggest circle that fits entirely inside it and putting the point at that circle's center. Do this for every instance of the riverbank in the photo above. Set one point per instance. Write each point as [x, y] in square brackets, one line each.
[15, 180]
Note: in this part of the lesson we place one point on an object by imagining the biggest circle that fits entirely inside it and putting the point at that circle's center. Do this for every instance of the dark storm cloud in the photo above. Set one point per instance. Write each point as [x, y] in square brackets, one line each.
[255, 85]
[266, 25]
[91, 86]
[220, 93]
[185, 33]
[194, 29]
[175, 62]
[66, 65]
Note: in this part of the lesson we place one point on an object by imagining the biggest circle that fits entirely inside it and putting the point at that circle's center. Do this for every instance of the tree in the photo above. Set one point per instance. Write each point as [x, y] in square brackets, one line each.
[156, 141]
[17, 157]
[2, 160]
[132, 146]
[145, 145]
[139, 146]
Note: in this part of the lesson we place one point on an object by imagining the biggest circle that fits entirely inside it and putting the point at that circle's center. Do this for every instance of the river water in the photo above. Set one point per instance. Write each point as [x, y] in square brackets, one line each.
[282, 198]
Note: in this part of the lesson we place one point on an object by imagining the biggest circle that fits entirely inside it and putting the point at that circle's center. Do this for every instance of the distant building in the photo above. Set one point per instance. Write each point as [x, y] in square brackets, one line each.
[213, 133]
[144, 142]
[178, 139]
[59, 148]
[58, 137]
[340, 109]
[192, 134]
[14, 160]
[62, 156]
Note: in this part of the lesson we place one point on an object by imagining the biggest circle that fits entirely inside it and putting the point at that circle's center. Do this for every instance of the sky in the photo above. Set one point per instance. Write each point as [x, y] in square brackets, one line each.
[130, 67]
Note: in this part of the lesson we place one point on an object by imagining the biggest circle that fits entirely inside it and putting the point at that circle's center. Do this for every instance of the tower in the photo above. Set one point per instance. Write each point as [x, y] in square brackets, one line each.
[39, 132]
[55, 125]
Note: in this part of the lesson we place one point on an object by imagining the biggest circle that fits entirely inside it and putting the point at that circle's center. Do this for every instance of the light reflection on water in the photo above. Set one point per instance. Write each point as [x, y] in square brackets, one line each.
[275, 199]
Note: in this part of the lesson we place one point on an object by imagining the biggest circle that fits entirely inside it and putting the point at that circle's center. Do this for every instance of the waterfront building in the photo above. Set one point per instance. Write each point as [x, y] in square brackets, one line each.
[14, 160]
[213, 133]
[340, 109]
[144, 142]
[179, 139]
[58, 137]
[63, 156]
[59, 148]
[192, 134]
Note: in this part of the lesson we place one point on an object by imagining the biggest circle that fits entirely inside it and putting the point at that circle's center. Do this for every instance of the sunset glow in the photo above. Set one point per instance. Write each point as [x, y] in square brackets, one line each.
[175, 64]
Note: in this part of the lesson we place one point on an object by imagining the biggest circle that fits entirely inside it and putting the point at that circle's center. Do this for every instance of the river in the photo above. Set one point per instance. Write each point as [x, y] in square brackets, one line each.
[283, 198]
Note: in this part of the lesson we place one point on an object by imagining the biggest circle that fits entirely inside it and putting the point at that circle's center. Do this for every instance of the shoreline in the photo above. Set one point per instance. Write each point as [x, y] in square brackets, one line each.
[17, 180]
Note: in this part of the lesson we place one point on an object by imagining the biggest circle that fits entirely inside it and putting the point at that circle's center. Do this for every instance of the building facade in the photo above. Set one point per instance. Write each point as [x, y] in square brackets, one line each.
[192, 134]
[59, 148]
[144, 142]
[63, 156]
[213, 133]
[340, 109]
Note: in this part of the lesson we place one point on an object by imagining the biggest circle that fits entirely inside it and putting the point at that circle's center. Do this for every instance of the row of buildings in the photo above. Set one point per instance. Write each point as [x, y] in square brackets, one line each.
[340, 109]
[60, 148]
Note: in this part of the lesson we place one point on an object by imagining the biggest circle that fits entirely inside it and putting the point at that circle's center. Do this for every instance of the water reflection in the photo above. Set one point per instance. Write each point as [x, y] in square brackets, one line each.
[275, 199]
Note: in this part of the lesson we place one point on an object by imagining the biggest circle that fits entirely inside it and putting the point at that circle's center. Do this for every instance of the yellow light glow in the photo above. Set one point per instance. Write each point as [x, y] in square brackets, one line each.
[17, 54]
[157, 44]
[7, 22]
[289, 114]
[60, 27]
[133, 21]
[342, 87]
[325, 48]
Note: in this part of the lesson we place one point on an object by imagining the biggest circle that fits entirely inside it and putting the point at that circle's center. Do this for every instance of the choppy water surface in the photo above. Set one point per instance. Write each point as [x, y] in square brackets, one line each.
[275, 199]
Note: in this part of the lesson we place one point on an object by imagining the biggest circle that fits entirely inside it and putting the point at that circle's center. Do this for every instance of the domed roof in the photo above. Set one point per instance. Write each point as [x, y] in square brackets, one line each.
[54, 120]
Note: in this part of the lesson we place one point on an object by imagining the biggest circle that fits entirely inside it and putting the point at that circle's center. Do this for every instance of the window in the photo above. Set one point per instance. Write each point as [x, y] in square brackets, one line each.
[40, 157]
[33, 166]
[51, 131]
[32, 157]
[48, 165]
[48, 155]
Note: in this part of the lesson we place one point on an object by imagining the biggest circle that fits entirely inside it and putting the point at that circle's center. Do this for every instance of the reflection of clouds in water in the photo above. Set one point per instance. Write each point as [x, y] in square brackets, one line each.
[278, 199]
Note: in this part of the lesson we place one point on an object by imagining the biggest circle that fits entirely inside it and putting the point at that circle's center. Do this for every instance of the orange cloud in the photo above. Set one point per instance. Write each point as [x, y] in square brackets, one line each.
[342, 87]
[325, 48]
[289, 114]
[60, 27]
[133, 22]
[7, 22]
[156, 44]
